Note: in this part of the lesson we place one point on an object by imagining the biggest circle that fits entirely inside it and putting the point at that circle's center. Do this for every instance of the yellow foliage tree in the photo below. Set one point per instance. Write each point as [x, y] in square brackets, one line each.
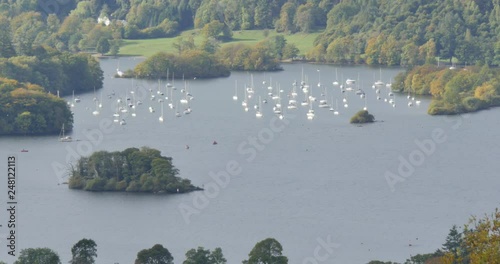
[485, 92]
[481, 242]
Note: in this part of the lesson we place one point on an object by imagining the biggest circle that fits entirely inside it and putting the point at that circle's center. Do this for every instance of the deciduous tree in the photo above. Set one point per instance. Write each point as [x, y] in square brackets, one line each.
[155, 255]
[267, 251]
[84, 252]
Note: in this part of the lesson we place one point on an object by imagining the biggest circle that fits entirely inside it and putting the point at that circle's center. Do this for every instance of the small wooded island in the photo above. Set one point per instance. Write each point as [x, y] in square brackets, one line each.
[131, 170]
[362, 117]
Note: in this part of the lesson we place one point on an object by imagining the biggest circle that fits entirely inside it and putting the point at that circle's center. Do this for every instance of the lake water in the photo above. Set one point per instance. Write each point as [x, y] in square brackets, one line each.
[303, 182]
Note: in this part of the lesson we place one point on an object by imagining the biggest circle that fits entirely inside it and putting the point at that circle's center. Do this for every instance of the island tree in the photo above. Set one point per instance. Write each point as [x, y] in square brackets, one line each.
[131, 170]
[362, 117]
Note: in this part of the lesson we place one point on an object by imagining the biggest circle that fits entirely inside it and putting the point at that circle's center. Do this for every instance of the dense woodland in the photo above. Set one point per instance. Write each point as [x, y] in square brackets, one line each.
[131, 170]
[384, 32]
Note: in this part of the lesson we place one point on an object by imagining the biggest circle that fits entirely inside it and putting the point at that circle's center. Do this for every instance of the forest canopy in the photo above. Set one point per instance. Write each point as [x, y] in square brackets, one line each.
[397, 32]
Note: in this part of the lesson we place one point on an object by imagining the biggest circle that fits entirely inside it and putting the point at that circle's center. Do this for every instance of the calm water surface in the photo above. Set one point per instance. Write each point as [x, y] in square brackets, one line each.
[321, 179]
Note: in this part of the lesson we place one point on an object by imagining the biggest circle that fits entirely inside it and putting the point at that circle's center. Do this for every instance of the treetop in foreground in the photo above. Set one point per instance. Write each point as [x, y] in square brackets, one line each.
[267, 251]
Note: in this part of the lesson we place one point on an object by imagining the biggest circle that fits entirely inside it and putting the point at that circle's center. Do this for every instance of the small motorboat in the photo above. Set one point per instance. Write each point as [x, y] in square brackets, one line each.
[24, 150]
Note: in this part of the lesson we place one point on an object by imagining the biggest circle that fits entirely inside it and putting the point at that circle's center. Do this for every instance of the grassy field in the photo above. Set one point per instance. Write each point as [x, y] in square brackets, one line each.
[148, 47]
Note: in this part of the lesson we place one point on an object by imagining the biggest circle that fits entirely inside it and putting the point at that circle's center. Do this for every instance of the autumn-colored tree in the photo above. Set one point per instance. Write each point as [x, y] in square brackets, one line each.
[372, 51]
[481, 242]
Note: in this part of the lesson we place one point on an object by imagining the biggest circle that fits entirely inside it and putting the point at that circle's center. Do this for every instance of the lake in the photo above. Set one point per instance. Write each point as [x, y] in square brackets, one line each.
[304, 182]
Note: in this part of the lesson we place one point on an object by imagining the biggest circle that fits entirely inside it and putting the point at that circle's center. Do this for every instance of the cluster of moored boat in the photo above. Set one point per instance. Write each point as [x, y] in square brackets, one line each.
[163, 97]
[275, 96]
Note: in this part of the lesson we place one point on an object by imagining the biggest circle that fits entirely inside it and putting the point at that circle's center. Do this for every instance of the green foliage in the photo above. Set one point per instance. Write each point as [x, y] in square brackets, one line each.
[240, 57]
[290, 51]
[466, 30]
[84, 252]
[27, 109]
[482, 239]
[190, 63]
[267, 251]
[155, 255]
[214, 29]
[201, 255]
[454, 243]
[460, 29]
[478, 243]
[131, 170]
[56, 72]
[37, 256]
[6, 47]
[426, 258]
[103, 46]
[167, 28]
[362, 117]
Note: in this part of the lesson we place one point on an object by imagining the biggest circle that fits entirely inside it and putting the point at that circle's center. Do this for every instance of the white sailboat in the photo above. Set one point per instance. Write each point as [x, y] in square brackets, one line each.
[100, 101]
[177, 114]
[235, 96]
[71, 104]
[244, 103]
[96, 111]
[310, 112]
[250, 89]
[168, 85]
[63, 137]
[305, 102]
[184, 100]
[171, 103]
[161, 117]
[379, 82]
[336, 82]
[336, 112]
[118, 71]
[323, 103]
[258, 114]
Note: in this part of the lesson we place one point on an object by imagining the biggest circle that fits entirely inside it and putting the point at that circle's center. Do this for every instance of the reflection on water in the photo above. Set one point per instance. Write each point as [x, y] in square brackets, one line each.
[291, 178]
